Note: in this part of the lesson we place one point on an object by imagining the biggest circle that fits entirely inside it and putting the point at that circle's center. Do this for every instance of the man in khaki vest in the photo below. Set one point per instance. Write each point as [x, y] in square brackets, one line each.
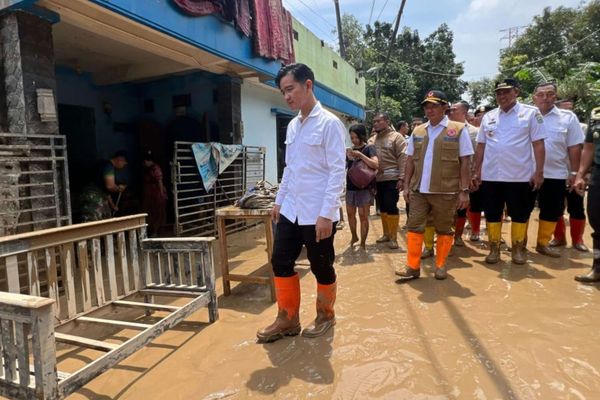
[436, 182]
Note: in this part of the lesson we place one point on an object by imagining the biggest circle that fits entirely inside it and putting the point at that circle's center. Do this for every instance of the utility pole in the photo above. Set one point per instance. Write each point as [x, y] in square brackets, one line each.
[339, 29]
[389, 53]
[512, 34]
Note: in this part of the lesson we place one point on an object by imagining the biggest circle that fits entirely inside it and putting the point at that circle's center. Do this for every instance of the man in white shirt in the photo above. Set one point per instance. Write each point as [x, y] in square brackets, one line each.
[563, 145]
[458, 113]
[574, 204]
[437, 182]
[307, 204]
[505, 167]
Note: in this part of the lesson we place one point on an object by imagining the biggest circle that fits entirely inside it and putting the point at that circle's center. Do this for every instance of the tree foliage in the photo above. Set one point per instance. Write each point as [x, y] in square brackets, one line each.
[563, 46]
[401, 83]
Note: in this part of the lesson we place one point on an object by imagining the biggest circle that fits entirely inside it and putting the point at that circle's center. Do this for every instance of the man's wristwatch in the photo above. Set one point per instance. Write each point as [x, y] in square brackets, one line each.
[465, 190]
[573, 173]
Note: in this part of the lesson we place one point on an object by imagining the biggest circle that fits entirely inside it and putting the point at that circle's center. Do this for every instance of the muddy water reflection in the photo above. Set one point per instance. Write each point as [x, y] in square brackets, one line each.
[487, 332]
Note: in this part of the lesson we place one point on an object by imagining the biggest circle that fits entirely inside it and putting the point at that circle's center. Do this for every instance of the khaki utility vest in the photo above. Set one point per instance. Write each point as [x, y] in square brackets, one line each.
[445, 171]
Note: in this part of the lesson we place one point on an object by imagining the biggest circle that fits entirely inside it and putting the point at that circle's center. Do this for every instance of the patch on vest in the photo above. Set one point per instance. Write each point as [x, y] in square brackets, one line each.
[452, 132]
[417, 139]
[450, 139]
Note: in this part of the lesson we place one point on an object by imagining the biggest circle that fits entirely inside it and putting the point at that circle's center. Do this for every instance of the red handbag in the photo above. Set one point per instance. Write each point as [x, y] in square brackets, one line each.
[361, 175]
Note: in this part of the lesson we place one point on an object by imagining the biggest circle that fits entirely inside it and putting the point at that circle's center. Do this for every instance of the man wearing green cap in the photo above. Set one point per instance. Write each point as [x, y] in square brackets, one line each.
[505, 169]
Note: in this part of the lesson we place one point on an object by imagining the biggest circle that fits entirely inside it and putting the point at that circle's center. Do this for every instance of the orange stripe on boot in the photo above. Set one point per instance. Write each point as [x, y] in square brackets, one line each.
[560, 230]
[443, 247]
[415, 245]
[577, 229]
[475, 221]
[459, 225]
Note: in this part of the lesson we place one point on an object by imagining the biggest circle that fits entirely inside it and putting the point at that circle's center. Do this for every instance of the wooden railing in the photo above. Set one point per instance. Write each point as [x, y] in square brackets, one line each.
[78, 269]
[81, 267]
[21, 316]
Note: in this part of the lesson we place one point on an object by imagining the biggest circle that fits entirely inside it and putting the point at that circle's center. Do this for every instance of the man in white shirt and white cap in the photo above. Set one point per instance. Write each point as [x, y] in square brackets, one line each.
[307, 204]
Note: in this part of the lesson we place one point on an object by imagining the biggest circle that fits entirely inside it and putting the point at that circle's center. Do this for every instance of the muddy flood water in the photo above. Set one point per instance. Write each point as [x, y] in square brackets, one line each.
[487, 332]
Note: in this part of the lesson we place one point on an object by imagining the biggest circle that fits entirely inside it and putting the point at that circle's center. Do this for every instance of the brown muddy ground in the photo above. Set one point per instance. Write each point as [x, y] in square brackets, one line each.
[487, 332]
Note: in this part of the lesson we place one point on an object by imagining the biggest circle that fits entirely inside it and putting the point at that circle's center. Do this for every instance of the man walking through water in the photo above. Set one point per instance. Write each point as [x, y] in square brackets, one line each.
[307, 204]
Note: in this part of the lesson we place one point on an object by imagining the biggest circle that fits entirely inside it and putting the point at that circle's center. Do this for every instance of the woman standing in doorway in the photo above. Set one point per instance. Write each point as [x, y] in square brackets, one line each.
[154, 201]
[357, 198]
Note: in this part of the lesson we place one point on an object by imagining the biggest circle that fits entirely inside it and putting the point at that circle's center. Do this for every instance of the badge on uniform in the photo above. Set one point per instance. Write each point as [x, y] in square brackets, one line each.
[596, 135]
[539, 118]
[451, 132]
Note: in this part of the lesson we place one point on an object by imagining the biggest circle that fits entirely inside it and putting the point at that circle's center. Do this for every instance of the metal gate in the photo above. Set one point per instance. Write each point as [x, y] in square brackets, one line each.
[34, 182]
[194, 207]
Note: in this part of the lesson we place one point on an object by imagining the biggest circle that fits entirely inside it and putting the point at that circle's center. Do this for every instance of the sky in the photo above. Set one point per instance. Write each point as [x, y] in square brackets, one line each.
[476, 23]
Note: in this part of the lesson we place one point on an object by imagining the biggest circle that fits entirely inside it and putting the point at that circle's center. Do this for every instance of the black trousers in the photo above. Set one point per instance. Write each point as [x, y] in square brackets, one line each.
[289, 240]
[574, 205]
[551, 199]
[387, 197]
[476, 201]
[517, 196]
[593, 208]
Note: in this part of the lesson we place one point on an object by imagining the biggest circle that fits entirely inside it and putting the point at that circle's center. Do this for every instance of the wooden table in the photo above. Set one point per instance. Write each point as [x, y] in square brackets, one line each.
[236, 213]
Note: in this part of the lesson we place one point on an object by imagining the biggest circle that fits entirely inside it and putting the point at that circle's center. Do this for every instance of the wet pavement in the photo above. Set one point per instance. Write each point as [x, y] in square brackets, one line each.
[487, 332]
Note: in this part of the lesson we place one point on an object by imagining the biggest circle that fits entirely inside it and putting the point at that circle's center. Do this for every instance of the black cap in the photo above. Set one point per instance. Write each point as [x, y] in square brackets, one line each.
[435, 97]
[483, 109]
[507, 83]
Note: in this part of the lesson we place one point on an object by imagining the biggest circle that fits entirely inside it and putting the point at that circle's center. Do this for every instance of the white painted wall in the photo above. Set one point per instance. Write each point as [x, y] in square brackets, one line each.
[260, 127]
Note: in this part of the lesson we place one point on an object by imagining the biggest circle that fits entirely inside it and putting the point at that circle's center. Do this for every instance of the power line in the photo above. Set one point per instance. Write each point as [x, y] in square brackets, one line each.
[389, 52]
[556, 52]
[317, 14]
[371, 13]
[382, 9]
[327, 35]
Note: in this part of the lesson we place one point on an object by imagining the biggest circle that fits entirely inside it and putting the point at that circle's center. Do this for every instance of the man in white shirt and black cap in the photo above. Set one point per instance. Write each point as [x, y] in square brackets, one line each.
[506, 169]
[307, 204]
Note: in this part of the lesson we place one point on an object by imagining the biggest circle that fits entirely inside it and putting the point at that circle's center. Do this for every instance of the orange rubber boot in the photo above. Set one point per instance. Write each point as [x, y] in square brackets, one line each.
[287, 322]
[443, 247]
[326, 295]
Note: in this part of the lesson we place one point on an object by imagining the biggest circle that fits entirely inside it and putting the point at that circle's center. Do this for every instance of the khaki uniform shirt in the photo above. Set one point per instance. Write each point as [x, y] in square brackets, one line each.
[391, 152]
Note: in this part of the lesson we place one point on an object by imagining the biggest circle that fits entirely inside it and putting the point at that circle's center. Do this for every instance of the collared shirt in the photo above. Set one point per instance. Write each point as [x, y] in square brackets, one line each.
[391, 152]
[563, 131]
[313, 179]
[465, 149]
[508, 155]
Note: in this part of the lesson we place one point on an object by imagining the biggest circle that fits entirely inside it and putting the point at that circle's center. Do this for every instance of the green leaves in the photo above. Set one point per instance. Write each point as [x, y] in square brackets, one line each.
[402, 83]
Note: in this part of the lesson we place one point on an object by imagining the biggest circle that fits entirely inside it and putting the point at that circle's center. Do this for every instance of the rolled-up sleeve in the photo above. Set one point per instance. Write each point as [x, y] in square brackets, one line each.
[537, 129]
[400, 150]
[410, 148]
[575, 134]
[481, 138]
[465, 145]
[335, 155]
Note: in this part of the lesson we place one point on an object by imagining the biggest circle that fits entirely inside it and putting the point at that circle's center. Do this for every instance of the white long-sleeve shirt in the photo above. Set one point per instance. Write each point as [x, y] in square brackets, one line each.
[313, 179]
